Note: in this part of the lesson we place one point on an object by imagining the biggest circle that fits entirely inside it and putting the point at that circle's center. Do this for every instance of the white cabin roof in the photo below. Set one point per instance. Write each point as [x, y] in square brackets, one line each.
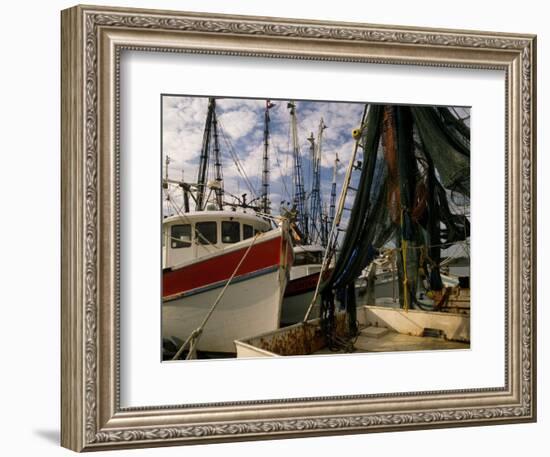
[195, 216]
[308, 248]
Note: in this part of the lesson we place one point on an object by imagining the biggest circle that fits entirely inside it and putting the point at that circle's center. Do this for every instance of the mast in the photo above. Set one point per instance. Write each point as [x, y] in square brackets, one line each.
[324, 226]
[185, 190]
[166, 163]
[265, 160]
[217, 164]
[315, 203]
[165, 180]
[210, 133]
[203, 160]
[299, 196]
[309, 221]
[332, 209]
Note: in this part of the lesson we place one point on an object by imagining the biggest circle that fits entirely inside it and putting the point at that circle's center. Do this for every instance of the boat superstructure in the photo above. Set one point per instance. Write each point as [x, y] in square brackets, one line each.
[190, 236]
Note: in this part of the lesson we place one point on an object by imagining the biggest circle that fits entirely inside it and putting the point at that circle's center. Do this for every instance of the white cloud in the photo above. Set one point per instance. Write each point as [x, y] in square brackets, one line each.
[182, 126]
[242, 121]
[239, 123]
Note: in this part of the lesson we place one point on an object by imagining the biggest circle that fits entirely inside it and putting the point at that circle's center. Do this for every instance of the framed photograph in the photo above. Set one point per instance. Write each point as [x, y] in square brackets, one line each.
[275, 228]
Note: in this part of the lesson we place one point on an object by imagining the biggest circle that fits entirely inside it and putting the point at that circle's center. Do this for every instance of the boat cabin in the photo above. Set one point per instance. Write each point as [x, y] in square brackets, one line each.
[195, 234]
[308, 259]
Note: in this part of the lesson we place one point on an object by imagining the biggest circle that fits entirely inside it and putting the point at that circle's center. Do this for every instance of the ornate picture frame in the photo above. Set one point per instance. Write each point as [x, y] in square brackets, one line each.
[93, 39]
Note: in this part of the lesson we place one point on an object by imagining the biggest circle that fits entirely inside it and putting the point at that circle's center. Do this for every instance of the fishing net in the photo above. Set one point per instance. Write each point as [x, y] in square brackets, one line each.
[413, 160]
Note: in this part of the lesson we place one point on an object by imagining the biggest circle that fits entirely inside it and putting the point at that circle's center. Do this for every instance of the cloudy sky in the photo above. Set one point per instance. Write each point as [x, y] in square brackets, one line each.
[240, 124]
[240, 127]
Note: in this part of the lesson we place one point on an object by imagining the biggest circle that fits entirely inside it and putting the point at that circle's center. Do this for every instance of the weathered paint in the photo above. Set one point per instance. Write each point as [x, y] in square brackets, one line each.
[307, 338]
[304, 338]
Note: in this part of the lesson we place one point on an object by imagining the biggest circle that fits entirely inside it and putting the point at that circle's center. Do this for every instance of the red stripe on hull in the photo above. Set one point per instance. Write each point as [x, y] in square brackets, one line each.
[220, 268]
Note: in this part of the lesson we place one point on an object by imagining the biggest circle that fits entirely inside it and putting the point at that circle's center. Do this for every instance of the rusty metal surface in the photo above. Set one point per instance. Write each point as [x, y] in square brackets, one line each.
[299, 339]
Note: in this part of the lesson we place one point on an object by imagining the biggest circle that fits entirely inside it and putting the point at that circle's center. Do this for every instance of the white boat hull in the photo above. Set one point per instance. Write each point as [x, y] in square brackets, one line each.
[250, 306]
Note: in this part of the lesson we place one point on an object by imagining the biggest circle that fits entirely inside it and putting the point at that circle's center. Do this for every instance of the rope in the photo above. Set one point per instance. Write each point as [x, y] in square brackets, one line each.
[194, 338]
[236, 160]
[283, 175]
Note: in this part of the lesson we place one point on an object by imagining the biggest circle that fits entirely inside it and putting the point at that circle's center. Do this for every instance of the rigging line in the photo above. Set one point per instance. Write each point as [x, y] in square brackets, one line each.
[235, 157]
[282, 174]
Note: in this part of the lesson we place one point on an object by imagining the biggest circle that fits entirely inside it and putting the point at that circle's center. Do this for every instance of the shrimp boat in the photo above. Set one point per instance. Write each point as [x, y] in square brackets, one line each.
[225, 263]
[202, 251]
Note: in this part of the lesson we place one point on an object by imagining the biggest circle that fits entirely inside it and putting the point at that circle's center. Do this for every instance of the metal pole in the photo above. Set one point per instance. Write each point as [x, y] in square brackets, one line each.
[265, 159]
[217, 164]
[205, 152]
[331, 243]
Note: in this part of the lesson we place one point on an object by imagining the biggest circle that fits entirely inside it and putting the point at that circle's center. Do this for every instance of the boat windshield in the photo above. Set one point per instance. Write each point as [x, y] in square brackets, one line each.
[231, 232]
[248, 231]
[180, 236]
[206, 232]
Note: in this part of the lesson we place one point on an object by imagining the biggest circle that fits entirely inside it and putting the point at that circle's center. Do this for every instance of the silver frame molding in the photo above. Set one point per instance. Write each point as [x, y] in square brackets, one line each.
[92, 41]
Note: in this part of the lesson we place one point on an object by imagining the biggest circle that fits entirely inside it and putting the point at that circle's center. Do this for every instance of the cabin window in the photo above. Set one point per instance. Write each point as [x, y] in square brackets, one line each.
[180, 236]
[248, 231]
[231, 232]
[206, 232]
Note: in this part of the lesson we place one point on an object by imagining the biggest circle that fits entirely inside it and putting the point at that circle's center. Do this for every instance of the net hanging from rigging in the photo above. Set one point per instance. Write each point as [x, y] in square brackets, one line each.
[413, 158]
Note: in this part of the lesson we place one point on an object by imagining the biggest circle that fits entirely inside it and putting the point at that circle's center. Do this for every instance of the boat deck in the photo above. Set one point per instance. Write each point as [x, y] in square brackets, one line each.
[382, 329]
[392, 341]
